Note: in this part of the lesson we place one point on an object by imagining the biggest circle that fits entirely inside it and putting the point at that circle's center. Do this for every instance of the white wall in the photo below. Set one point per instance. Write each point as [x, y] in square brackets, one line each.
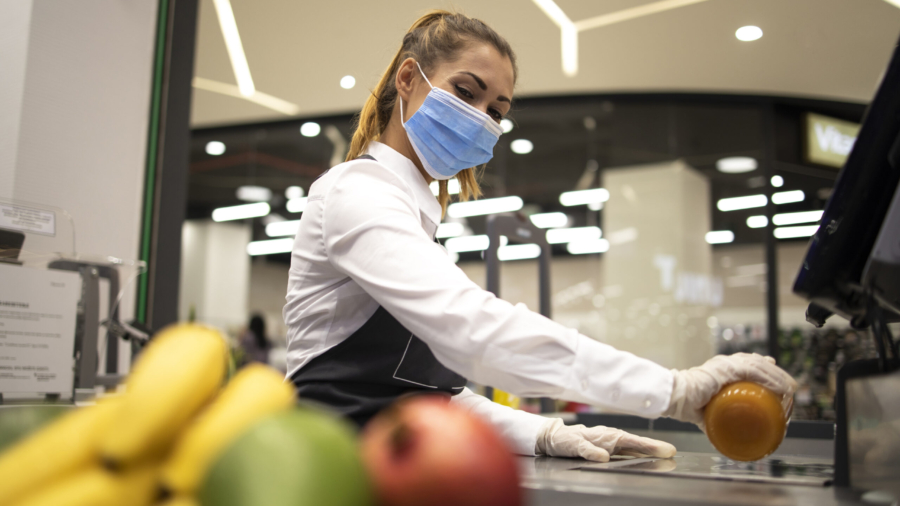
[75, 82]
[215, 273]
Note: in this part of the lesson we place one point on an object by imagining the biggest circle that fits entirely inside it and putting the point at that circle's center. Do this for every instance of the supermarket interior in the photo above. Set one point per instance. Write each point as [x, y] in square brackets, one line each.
[517, 252]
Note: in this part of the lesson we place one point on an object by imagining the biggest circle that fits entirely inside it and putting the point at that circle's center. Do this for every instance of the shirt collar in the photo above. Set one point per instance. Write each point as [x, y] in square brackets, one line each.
[406, 169]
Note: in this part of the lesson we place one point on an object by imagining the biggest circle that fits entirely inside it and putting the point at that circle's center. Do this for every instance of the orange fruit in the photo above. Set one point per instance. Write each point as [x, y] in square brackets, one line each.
[745, 421]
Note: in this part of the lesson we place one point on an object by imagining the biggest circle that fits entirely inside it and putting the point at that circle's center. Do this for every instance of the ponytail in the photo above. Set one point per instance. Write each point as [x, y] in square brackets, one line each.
[435, 37]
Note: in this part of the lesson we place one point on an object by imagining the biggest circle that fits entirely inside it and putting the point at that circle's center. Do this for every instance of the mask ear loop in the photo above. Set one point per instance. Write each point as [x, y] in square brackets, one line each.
[401, 98]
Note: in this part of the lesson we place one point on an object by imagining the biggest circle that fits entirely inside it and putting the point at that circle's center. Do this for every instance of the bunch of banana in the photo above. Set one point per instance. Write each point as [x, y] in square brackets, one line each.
[155, 441]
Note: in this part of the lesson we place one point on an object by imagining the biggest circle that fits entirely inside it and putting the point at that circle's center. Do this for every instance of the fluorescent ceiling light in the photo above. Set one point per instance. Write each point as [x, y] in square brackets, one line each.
[310, 129]
[549, 220]
[521, 146]
[241, 212]
[452, 187]
[293, 192]
[215, 148]
[518, 252]
[736, 164]
[788, 197]
[748, 33]
[633, 13]
[282, 228]
[586, 247]
[584, 197]
[507, 125]
[569, 30]
[720, 237]
[794, 218]
[445, 230]
[270, 247]
[577, 234]
[467, 243]
[794, 232]
[895, 3]
[348, 82]
[264, 99]
[235, 48]
[738, 203]
[252, 193]
[297, 205]
[471, 243]
[486, 206]
[757, 221]
[778, 181]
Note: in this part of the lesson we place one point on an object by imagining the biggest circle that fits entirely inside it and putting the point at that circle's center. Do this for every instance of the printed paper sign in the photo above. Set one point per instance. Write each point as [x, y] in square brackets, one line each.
[27, 219]
[37, 329]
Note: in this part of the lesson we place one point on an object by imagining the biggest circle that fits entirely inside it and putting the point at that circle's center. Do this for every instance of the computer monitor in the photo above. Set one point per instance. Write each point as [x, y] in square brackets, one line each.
[832, 274]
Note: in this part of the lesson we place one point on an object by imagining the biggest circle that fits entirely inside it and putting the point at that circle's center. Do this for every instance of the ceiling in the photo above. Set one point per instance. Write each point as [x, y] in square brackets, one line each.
[298, 51]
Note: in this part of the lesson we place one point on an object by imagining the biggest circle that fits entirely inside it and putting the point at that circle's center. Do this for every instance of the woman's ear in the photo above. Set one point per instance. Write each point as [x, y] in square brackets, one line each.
[405, 76]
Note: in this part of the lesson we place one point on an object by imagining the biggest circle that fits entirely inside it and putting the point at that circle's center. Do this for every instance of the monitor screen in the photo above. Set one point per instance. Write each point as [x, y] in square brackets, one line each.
[832, 272]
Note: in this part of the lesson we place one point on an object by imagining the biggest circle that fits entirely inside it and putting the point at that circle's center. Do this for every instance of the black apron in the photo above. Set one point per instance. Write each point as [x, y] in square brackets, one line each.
[369, 370]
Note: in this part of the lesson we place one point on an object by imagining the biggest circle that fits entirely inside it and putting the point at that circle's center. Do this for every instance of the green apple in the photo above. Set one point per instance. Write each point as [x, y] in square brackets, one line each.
[301, 457]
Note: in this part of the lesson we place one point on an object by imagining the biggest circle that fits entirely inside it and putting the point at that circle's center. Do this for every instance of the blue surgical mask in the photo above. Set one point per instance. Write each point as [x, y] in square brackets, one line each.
[450, 135]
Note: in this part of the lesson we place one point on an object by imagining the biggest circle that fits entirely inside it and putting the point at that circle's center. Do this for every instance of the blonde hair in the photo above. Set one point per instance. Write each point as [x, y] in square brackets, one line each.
[436, 37]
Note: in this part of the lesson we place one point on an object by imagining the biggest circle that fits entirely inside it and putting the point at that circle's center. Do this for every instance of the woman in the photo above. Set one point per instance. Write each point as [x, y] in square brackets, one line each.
[376, 309]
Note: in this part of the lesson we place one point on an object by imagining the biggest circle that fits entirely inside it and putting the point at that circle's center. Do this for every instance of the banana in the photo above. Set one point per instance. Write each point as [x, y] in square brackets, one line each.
[65, 446]
[255, 392]
[177, 374]
[97, 486]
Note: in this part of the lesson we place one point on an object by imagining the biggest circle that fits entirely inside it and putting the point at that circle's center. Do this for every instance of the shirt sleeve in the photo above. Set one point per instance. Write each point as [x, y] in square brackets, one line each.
[372, 232]
[519, 428]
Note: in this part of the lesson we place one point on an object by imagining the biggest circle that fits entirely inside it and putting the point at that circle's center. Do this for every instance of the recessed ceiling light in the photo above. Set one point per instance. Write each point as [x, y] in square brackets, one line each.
[777, 181]
[794, 232]
[270, 247]
[506, 125]
[584, 197]
[310, 129]
[485, 206]
[521, 146]
[293, 192]
[215, 148]
[788, 197]
[241, 212]
[549, 220]
[758, 221]
[720, 237]
[251, 193]
[748, 33]
[738, 203]
[736, 164]
[348, 82]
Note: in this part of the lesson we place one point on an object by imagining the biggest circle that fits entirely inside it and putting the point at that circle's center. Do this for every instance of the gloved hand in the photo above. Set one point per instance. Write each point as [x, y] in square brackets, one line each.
[694, 387]
[595, 443]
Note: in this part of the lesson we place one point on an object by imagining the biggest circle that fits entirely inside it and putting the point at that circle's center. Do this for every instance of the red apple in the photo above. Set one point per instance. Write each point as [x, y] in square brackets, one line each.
[426, 451]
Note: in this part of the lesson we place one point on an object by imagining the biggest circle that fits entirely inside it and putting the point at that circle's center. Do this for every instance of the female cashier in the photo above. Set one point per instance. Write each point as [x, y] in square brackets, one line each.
[376, 309]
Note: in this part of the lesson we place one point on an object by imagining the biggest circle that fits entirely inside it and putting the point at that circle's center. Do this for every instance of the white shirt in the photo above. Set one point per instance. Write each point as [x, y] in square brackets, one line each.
[366, 239]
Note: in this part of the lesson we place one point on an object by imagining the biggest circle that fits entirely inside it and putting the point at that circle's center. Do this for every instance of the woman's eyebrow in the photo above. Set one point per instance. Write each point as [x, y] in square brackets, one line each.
[483, 86]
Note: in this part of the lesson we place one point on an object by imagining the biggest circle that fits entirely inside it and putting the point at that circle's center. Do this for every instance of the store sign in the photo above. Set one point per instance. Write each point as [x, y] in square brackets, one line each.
[829, 140]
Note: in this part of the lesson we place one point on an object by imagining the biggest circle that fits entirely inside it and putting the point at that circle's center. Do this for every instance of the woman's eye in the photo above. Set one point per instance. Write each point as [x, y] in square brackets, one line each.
[464, 92]
[495, 114]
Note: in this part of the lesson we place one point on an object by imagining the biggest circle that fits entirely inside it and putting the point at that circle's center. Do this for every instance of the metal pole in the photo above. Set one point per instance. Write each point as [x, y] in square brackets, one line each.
[769, 156]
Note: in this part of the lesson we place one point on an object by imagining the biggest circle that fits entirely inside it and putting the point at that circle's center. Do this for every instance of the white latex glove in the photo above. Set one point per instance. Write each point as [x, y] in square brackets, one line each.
[694, 387]
[596, 443]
